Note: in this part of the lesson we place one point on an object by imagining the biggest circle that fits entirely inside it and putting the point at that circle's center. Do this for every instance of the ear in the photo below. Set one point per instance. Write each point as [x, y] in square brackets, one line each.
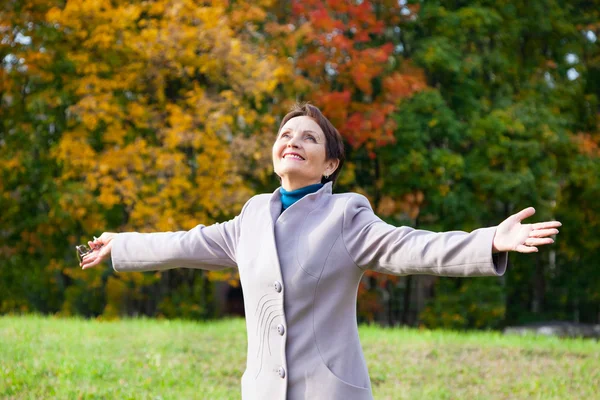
[330, 166]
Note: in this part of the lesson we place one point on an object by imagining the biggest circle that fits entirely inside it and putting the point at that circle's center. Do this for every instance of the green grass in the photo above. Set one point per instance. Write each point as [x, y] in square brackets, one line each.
[44, 358]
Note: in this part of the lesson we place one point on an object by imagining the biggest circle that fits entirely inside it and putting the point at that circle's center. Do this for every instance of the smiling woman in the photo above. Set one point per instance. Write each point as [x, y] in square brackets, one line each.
[301, 253]
[308, 149]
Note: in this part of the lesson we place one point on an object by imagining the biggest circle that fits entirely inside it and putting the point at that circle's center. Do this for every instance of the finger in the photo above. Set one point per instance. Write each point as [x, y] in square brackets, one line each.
[95, 258]
[526, 249]
[87, 260]
[94, 245]
[538, 242]
[543, 232]
[545, 225]
[90, 257]
[91, 264]
[526, 213]
[91, 260]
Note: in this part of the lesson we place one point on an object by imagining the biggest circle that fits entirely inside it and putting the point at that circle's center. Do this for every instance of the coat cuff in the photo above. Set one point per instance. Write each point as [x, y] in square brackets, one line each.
[500, 262]
[125, 255]
[495, 263]
[117, 247]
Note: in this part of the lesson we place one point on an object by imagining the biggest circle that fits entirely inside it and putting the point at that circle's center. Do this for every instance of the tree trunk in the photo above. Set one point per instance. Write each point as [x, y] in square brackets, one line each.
[407, 297]
[539, 285]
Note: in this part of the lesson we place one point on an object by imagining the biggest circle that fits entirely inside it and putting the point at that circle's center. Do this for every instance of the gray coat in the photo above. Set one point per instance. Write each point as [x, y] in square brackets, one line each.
[300, 271]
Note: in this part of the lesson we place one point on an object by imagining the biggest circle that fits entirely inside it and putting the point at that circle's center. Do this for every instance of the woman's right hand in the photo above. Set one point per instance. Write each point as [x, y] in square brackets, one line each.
[101, 250]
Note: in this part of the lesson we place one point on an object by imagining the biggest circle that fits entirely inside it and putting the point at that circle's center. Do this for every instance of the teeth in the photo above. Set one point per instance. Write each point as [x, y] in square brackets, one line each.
[293, 156]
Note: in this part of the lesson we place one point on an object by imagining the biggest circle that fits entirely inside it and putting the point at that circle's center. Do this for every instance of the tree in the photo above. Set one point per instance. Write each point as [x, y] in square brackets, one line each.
[503, 68]
[140, 130]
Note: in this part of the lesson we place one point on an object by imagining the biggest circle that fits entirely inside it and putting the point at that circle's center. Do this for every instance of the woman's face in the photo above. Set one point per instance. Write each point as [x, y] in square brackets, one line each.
[299, 155]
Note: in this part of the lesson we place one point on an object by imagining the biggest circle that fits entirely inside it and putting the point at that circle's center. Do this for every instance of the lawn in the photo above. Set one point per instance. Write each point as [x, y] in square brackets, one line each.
[44, 357]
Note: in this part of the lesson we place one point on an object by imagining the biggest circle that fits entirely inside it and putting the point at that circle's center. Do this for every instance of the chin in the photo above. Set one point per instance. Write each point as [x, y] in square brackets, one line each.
[289, 170]
[294, 174]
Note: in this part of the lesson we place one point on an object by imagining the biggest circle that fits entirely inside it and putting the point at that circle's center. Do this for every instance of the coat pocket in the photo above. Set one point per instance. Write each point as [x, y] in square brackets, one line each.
[326, 385]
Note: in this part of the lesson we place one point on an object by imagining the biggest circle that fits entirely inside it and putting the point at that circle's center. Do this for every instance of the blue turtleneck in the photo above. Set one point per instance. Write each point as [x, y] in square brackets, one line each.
[289, 198]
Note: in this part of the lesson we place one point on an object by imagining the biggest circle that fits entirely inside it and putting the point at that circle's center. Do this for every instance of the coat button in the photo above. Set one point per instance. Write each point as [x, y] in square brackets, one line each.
[281, 372]
[280, 329]
[277, 286]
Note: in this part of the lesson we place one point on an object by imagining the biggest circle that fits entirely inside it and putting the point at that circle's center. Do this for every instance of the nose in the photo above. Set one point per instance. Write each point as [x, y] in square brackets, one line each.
[292, 142]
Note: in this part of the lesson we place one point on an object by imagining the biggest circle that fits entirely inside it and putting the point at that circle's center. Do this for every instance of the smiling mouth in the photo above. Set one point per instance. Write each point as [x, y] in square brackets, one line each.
[292, 156]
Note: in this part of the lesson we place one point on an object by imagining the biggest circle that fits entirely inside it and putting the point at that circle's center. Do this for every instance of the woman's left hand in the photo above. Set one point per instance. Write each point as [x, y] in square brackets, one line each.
[511, 235]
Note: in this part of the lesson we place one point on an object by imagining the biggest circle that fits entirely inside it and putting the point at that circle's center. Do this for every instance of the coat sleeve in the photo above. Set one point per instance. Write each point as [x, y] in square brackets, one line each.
[206, 247]
[377, 245]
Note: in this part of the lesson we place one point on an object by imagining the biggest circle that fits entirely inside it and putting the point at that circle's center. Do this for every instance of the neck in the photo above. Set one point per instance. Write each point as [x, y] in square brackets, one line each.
[290, 185]
[290, 197]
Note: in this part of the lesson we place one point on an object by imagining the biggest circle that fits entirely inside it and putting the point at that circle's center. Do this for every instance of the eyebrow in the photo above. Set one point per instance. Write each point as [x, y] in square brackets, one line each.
[304, 131]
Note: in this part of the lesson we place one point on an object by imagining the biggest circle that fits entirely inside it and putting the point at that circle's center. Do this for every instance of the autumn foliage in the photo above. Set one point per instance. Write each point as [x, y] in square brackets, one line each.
[159, 115]
[349, 54]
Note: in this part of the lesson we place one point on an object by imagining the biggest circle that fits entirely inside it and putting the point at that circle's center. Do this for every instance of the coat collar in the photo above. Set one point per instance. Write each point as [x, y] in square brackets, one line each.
[304, 205]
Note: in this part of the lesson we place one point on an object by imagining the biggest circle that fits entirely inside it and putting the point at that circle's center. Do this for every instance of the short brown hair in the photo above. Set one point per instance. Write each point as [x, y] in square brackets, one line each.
[334, 144]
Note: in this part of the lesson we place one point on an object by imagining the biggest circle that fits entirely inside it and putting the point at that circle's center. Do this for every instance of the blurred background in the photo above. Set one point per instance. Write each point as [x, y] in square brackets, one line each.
[160, 115]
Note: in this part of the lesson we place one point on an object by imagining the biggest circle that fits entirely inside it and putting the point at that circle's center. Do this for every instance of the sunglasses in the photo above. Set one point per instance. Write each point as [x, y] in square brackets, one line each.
[83, 250]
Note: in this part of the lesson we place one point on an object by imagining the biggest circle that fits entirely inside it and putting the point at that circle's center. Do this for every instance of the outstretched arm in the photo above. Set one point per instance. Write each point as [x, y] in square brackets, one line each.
[205, 247]
[375, 244]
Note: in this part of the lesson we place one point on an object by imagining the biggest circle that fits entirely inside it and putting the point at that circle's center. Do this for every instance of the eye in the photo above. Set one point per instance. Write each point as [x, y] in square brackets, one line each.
[285, 134]
[311, 137]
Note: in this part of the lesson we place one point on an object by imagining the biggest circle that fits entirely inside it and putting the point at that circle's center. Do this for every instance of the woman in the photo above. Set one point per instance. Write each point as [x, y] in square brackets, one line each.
[301, 253]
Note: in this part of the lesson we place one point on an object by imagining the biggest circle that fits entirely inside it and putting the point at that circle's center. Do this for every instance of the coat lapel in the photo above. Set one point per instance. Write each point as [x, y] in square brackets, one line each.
[275, 206]
[304, 206]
